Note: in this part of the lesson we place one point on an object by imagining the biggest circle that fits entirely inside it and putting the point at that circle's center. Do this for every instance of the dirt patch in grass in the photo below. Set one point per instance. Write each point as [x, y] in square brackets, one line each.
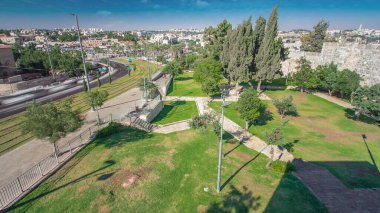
[104, 209]
[202, 208]
[126, 179]
[83, 188]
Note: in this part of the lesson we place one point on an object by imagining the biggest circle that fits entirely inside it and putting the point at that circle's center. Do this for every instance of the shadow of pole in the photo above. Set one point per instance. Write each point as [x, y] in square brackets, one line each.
[238, 170]
[369, 151]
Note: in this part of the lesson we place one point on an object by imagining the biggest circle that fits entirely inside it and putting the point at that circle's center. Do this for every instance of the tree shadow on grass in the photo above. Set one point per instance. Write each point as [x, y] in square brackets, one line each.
[122, 136]
[290, 145]
[183, 78]
[236, 201]
[46, 191]
[264, 118]
[363, 118]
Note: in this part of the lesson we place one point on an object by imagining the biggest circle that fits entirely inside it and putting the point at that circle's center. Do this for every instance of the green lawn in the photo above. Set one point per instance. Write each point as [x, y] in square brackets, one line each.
[184, 85]
[323, 134]
[176, 111]
[170, 173]
[11, 135]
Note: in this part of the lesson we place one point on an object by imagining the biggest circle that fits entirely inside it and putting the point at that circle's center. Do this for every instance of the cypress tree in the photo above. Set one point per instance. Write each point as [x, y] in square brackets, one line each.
[268, 60]
[258, 36]
[237, 54]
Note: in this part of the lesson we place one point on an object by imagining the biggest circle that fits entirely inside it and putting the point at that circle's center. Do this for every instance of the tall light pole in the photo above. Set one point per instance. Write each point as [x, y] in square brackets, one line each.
[224, 93]
[109, 66]
[81, 51]
[48, 52]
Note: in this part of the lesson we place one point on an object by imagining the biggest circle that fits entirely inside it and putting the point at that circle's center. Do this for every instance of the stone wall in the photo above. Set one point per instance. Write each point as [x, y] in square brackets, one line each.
[362, 58]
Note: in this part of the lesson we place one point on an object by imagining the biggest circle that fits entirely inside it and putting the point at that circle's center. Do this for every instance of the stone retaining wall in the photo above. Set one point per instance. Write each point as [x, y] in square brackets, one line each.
[362, 58]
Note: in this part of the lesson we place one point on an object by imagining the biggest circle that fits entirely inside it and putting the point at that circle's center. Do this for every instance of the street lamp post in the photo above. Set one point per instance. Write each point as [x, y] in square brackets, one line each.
[81, 51]
[109, 66]
[224, 93]
[48, 52]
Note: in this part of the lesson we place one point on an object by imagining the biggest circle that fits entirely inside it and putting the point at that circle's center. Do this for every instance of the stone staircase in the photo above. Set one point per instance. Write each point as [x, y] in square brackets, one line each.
[139, 123]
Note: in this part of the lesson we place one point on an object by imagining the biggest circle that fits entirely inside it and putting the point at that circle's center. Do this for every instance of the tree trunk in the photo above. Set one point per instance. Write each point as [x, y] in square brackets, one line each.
[330, 92]
[246, 125]
[269, 164]
[282, 115]
[56, 149]
[98, 119]
[259, 86]
[301, 89]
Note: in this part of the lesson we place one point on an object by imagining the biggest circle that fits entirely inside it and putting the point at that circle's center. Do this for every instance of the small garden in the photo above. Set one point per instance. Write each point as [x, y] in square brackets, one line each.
[174, 111]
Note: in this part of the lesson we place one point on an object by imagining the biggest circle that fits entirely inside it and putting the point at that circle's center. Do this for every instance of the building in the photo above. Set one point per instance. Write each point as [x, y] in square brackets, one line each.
[92, 43]
[7, 61]
[10, 39]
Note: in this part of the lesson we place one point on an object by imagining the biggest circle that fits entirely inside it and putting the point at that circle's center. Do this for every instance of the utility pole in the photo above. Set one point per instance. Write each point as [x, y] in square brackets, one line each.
[48, 52]
[109, 65]
[221, 141]
[81, 51]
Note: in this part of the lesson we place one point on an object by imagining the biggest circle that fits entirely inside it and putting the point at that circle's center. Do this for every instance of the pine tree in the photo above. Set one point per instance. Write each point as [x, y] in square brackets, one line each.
[268, 60]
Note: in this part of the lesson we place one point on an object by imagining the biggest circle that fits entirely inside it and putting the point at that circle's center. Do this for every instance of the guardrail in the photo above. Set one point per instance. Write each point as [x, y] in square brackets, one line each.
[24, 183]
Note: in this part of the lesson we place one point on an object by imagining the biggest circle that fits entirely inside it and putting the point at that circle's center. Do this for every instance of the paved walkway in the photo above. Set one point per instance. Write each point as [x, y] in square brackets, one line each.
[24, 157]
[331, 191]
[334, 100]
[172, 127]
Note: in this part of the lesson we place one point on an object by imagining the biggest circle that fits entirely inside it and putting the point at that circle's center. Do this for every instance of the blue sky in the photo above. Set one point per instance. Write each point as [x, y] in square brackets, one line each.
[166, 14]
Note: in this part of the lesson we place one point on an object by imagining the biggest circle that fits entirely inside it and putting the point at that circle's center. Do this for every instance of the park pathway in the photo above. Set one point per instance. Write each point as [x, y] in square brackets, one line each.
[331, 191]
[334, 100]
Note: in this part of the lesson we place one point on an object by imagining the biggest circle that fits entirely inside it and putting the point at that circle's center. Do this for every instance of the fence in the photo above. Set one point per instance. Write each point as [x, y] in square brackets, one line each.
[21, 185]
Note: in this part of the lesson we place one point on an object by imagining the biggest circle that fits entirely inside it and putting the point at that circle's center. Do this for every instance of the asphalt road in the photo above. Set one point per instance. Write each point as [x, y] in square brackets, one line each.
[58, 95]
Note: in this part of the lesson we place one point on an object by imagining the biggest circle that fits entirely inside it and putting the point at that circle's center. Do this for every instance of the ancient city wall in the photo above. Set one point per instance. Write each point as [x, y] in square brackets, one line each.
[362, 58]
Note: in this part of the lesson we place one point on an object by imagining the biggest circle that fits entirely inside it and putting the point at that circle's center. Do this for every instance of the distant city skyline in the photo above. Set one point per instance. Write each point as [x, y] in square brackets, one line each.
[160, 15]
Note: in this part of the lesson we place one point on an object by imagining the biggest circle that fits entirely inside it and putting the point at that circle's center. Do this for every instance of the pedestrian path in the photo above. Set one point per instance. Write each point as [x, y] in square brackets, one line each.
[334, 100]
[172, 127]
[331, 191]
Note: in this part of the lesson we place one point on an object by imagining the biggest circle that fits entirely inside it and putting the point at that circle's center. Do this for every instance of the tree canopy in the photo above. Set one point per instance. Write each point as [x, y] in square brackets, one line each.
[250, 107]
[367, 99]
[51, 121]
[285, 106]
[305, 77]
[313, 41]
[209, 74]
[215, 38]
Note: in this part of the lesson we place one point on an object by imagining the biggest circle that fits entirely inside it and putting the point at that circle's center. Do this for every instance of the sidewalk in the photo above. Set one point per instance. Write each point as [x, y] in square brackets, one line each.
[19, 160]
[334, 100]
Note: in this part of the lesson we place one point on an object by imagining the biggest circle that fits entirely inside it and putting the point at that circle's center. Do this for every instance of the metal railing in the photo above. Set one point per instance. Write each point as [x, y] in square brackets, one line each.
[21, 185]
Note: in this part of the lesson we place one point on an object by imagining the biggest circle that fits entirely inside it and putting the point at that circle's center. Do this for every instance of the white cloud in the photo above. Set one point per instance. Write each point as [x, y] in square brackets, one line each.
[103, 13]
[201, 3]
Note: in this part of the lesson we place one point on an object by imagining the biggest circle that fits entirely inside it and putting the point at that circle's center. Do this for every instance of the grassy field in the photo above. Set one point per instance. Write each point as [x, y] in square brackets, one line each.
[323, 133]
[176, 111]
[11, 135]
[184, 85]
[135, 171]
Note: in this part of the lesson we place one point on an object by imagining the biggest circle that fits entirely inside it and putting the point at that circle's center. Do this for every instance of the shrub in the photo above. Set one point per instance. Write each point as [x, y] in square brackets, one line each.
[109, 130]
[283, 167]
